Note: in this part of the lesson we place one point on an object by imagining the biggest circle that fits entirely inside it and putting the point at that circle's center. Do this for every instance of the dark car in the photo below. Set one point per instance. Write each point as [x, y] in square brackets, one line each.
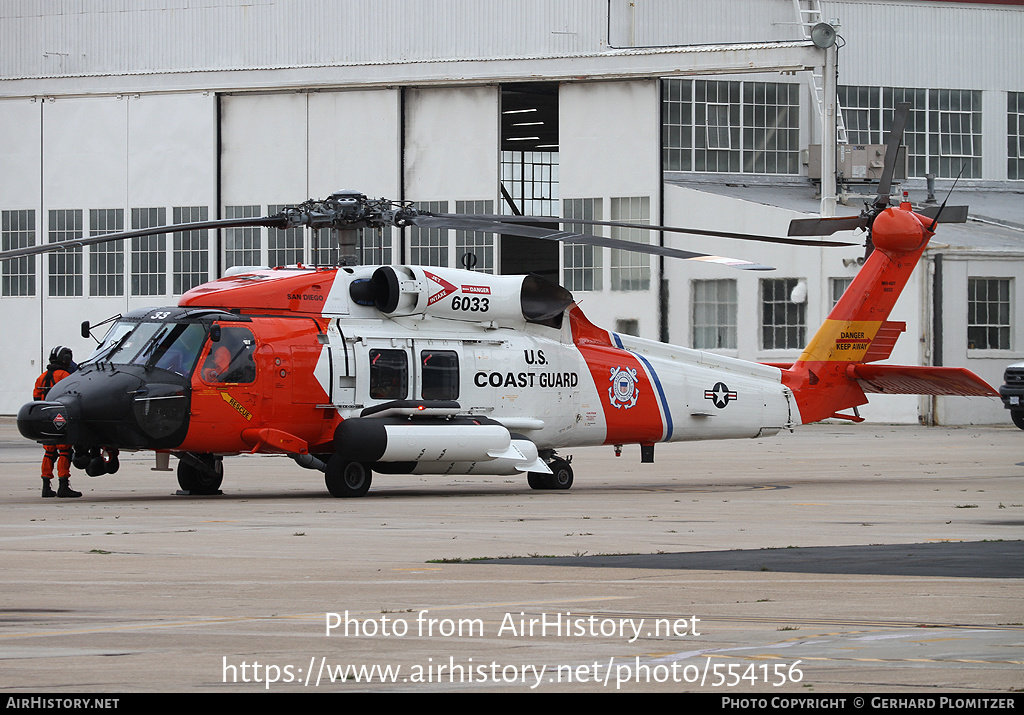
[1012, 392]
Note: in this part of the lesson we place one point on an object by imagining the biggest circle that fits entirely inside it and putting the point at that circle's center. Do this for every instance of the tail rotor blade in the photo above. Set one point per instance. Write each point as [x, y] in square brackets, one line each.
[825, 226]
[899, 123]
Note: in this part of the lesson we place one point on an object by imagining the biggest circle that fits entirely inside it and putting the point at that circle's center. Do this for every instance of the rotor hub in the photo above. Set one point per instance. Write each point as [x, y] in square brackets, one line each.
[898, 231]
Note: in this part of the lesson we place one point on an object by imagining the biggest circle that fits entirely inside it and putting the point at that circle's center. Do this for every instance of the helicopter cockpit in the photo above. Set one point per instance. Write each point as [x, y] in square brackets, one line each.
[166, 345]
[135, 389]
[174, 340]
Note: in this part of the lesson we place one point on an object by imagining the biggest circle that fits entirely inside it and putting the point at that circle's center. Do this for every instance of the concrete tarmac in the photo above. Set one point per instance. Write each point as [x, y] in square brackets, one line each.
[837, 559]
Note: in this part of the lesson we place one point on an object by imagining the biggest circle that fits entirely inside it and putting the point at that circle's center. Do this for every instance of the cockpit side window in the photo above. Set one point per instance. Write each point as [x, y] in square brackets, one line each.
[179, 350]
[230, 360]
[389, 375]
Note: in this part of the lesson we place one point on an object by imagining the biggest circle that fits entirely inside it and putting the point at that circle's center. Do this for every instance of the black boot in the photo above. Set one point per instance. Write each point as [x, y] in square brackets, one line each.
[65, 490]
[47, 491]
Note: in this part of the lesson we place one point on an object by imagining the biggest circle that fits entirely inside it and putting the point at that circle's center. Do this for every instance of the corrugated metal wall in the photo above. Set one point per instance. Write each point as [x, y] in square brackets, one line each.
[929, 44]
[73, 37]
[698, 22]
[898, 42]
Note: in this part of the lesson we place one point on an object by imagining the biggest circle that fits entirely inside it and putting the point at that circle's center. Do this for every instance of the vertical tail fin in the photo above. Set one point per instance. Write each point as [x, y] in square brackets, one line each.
[858, 330]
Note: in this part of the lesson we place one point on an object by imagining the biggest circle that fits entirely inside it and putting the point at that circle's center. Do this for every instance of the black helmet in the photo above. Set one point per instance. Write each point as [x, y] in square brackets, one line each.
[61, 356]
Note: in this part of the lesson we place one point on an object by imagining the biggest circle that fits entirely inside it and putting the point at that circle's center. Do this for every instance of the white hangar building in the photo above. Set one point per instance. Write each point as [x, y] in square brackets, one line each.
[117, 115]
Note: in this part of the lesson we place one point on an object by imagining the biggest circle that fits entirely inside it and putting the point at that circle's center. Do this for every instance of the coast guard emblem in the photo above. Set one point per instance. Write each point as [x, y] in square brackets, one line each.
[623, 392]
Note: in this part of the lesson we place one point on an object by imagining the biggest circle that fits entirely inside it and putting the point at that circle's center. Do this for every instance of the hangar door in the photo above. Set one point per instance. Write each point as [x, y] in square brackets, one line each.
[451, 166]
[280, 149]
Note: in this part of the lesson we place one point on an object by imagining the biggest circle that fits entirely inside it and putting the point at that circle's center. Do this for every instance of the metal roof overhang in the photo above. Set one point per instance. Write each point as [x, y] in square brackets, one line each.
[617, 64]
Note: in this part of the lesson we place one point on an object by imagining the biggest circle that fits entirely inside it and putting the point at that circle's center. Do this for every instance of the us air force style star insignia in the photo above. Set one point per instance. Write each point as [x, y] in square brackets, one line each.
[720, 394]
[623, 392]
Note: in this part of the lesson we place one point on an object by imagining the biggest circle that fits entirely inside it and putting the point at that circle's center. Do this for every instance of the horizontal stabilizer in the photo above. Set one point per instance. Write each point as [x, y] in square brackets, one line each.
[908, 380]
[885, 341]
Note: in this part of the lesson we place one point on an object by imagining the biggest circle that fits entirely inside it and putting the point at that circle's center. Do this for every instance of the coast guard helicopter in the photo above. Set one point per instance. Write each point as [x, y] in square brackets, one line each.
[420, 370]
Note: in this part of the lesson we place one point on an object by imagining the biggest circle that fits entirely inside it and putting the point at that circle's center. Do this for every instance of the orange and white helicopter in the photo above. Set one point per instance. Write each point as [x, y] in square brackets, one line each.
[422, 370]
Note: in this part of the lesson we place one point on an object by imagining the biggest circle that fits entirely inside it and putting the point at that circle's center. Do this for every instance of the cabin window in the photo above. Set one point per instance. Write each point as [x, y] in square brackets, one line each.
[440, 375]
[389, 375]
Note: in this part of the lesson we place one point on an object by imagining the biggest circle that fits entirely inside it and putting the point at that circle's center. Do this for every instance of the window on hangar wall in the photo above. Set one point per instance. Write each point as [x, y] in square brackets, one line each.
[783, 314]
[104, 263]
[582, 264]
[191, 249]
[149, 253]
[18, 230]
[65, 276]
[1015, 135]
[714, 314]
[731, 126]
[106, 260]
[988, 313]
[943, 130]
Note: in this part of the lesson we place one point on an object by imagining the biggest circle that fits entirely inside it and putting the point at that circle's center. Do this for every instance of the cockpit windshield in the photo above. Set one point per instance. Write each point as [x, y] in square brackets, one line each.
[170, 346]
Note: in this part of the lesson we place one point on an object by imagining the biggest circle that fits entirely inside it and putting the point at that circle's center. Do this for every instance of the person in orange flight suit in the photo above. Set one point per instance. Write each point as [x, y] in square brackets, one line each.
[217, 365]
[60, 366]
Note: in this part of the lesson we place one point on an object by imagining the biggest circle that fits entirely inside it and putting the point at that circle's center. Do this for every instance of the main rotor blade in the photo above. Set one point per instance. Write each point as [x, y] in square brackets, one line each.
[892, 147]
[276, 221]
[654, 227]
[470, 222]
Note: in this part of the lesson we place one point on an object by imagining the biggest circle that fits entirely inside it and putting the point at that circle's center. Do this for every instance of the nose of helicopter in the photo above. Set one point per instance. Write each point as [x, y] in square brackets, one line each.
[127, 407]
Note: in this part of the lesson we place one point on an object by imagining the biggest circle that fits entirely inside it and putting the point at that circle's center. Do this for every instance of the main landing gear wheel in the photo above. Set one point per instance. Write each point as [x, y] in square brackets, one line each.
[560, 477]
[347, 479]
[201, 480]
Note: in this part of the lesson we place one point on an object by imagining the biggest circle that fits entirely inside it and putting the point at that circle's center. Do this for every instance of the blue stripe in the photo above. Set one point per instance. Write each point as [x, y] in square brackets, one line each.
[615, 337]
[661, 394]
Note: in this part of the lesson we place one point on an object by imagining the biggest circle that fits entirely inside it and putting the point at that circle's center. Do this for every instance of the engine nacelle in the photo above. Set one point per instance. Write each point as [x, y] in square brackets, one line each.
[460, 445]
[448, 293]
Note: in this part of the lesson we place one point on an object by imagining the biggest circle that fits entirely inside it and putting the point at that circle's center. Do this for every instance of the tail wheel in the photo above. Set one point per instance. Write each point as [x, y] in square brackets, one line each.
[347, 479]
[203, 478]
